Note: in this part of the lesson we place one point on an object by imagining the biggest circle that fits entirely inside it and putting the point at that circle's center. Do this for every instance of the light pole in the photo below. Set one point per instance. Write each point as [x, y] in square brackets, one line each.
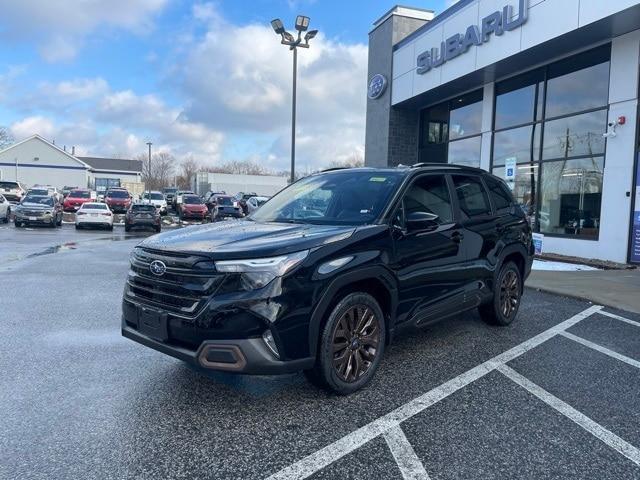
[302, 25]
[149, 174]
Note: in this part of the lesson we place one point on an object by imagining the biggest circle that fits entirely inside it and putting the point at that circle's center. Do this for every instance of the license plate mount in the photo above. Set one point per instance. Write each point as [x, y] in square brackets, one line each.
[153, 324]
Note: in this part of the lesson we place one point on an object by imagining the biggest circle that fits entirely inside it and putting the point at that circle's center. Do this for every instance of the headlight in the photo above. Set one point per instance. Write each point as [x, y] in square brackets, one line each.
[258, 272]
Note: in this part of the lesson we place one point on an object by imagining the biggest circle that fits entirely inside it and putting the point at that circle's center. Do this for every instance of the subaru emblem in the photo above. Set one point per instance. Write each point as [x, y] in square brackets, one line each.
[157, 267]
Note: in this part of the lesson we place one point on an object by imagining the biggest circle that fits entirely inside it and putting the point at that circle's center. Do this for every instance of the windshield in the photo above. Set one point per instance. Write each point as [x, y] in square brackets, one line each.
[117, 194]
[170, 190]
[38, 199]
[153, 196]
[80, 194]
[347, 197]
[38, 191]
[224, 201]
[193, 200]
[143, 208]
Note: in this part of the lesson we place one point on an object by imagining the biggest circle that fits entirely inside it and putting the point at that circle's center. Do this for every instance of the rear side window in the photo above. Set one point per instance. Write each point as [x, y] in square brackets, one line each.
[429, 194]
[500, 195]
[472, 196]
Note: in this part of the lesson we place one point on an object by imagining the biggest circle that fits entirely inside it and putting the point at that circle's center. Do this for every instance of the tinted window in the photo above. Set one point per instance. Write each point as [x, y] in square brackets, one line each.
[577, 91]
[224, 201]
[500, 195]
[523, 186]
[8, 185]
[429, 194]
[466, 116]
[516, 143]
[465, 152]
[472, 196]
[143, 208]
[80, 194]
[117, 194]
[192, 200]
[38, 199]
[574, 136]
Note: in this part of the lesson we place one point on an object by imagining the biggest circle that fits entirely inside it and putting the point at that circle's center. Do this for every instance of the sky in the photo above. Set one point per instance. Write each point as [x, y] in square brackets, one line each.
[207, 80]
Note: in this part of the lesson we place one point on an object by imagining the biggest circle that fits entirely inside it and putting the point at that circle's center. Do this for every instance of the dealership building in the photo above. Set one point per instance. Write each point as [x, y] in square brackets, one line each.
[542, 93]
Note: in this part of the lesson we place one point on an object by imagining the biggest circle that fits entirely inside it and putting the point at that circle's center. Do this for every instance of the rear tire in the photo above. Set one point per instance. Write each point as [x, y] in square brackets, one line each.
[18, 224]
[507, 292]
[351, 345]
[127, 228]
[158, 229]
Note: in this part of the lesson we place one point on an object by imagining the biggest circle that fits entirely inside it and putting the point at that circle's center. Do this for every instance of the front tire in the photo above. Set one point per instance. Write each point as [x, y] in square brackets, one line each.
[351, 345]
[507, 292]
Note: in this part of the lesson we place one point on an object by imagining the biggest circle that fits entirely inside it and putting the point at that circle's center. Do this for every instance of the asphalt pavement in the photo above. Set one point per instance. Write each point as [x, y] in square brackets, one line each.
[552, 396]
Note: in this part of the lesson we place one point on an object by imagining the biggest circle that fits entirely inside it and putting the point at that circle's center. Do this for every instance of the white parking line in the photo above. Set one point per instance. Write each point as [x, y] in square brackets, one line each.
[618, 317]
[601, 349]
[595, 429]
[410, 465]
[354, 440]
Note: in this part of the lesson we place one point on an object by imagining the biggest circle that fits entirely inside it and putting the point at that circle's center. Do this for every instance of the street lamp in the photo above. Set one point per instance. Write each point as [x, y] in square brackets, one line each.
[149, 174]
[302, 25]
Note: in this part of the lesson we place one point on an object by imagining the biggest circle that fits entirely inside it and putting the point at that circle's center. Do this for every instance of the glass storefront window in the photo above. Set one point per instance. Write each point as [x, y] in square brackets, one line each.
[575, 136]
[524, 186]
[571, 195]
[465, 152]
[465, 120]
[518, 143]
[578, 91]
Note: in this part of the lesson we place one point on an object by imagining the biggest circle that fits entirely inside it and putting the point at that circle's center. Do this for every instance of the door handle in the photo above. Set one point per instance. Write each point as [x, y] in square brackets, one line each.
[457, 236]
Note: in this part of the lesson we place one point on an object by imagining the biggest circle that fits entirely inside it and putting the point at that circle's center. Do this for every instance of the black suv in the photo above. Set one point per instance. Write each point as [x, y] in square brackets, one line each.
[324, 274]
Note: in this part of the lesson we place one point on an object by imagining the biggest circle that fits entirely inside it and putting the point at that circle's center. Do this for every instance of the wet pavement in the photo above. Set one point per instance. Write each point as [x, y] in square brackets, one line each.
[79, 401]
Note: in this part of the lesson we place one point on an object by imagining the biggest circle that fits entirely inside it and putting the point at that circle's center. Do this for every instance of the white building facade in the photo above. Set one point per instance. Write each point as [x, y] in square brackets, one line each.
[543, 93]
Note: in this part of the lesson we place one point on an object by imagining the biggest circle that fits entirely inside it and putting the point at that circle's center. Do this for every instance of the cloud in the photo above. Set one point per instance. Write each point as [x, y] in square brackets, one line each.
[30, 125]
[59, 27]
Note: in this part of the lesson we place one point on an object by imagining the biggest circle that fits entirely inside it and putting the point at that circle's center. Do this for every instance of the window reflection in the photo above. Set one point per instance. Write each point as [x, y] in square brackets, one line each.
[516, 107]
[523, 186]
[518, 143]
[466, 151]
[575, 136]
[465, 121]
[571, 195]
[578, 91]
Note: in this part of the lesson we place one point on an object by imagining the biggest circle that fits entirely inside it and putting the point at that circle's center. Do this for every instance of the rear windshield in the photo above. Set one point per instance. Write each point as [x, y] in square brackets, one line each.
[80, 194]
[154, 196]
[170, 190]
[8, 185]
[143, 208]
[94, 206]
[192, 200]
[38, 199]
[38, 192]
[224, 201]
[118, 194]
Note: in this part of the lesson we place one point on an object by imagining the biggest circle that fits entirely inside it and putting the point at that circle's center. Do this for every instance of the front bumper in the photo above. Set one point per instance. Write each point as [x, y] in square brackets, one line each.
[248, 356]
[197, 215]
[34, 219]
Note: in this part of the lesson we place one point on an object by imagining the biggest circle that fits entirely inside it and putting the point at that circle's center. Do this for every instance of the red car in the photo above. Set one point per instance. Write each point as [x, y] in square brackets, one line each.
[76, 199]
[192, 206]
[118, 200]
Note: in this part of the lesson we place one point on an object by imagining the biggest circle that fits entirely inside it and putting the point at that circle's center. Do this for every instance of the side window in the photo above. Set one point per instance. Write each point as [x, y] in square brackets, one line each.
[500, 195]
[472, 196]
[429, 194]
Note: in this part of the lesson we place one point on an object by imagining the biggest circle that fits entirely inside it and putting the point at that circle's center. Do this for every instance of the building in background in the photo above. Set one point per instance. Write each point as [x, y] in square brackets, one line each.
[543, 93]
[36, 161]
[265, 185]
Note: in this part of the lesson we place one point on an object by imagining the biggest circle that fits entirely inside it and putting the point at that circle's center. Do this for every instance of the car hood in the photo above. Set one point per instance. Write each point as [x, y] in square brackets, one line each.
[246, 239]
[36, 206]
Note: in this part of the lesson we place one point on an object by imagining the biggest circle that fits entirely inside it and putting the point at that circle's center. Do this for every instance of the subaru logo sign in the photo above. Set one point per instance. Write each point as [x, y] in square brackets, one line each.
[377, 86]
[157, 267]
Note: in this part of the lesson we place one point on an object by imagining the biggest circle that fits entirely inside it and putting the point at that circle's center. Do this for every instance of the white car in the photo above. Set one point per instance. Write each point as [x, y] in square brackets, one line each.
[254, 203]
[156, 199]
[94, 214]
[5, 209]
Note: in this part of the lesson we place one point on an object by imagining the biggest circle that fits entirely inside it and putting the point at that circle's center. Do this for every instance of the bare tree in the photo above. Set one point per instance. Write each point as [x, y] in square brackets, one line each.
[6, 139]
[160, 173]
[246, 167]
[188, 168]
[352, 161]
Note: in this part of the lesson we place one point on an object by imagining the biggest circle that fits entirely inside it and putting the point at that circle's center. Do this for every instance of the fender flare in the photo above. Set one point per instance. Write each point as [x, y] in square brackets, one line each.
[367, 273]
[510, 249]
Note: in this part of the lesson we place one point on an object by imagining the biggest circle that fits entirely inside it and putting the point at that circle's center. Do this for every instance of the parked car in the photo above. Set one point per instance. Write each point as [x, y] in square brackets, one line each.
[225, 206]
[255, 203]
[242, 198]
[51, 190]
[177, 200]
[142, 215]
[192, 206]
[117, 199]
[5, 209]
[94, 214]
[12, 191]
[325, 274]
[76, 199]
[41, 192]
[38, 210]
[169, 194]
[156, 199]
[67, 190]
[210, 199]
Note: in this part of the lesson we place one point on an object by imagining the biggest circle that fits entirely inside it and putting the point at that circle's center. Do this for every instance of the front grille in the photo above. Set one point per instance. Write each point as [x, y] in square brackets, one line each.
[32, 213]
[181, 290]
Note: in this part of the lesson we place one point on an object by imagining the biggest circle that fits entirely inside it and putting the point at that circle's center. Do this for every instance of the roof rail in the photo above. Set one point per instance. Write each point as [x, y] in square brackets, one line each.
[444, 165]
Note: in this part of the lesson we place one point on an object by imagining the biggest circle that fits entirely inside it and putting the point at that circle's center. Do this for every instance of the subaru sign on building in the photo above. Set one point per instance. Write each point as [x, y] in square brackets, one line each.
[542, 93]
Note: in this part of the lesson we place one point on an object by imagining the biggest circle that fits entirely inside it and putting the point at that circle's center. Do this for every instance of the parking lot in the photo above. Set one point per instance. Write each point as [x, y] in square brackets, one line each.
[552, 396]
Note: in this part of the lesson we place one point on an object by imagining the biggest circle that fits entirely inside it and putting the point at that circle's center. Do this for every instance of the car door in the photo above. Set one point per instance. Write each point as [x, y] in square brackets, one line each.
[427, 260]
[4, 206]
[480, 234]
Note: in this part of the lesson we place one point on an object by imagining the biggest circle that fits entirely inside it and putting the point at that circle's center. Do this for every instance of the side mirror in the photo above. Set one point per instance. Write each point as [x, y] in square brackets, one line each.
[421, 221]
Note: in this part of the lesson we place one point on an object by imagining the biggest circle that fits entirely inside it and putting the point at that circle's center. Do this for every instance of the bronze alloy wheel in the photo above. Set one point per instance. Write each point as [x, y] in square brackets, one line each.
[356, 337]
[509, 293]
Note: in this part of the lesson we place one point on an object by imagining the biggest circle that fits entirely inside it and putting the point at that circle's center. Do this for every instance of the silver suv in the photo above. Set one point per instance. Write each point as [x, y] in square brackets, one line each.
[12, 191]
